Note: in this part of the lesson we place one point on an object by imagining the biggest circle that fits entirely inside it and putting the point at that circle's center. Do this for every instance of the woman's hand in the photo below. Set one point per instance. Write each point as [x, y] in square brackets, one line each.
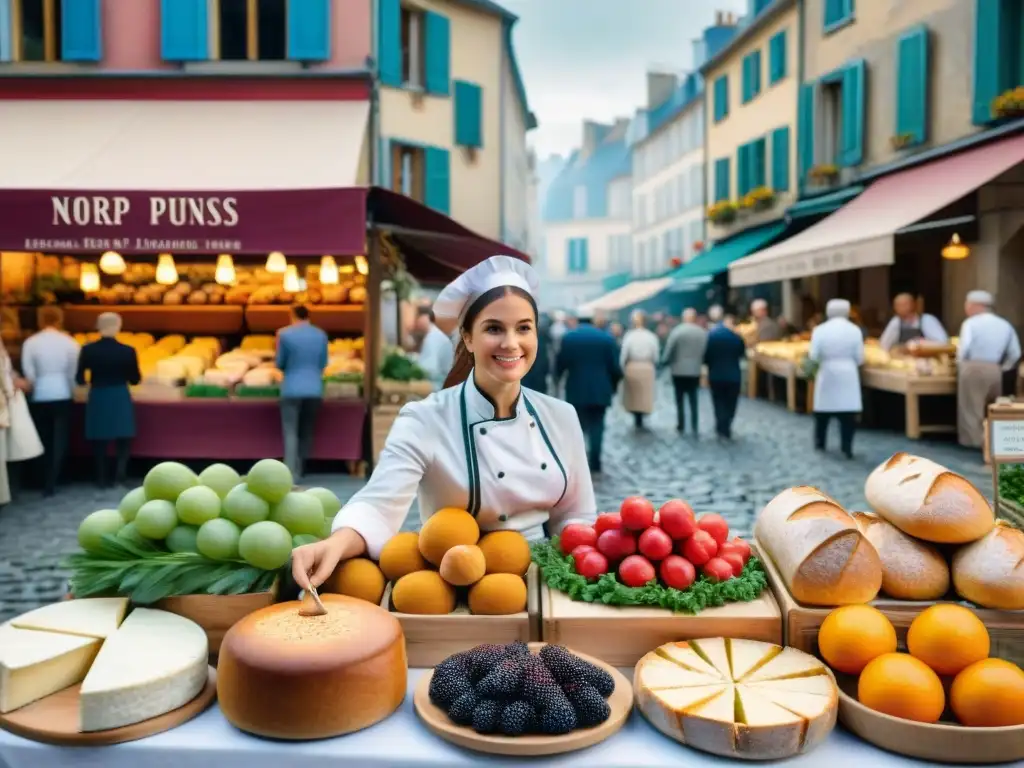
[314, 563]
[23, 384]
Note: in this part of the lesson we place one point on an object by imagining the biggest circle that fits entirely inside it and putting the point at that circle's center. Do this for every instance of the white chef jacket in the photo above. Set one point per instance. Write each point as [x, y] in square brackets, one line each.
[988, 338]
[449, 449]
[49, 359]
[436, 356]
[837, 345]
[931, 329]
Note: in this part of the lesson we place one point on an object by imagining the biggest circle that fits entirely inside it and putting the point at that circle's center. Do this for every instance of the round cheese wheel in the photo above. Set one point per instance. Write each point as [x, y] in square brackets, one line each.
[283, 675]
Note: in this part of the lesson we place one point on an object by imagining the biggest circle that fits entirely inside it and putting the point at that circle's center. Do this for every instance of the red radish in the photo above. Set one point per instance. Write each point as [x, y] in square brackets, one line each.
[742, 546]
[735, 559]
[699, 548]
[637, 513]
[609, 521]
[575, 534]
[636, 571]
[655, 544]
[616, 544]
[715, 525]
[592, 565]
[677, 572]
[676, 519]
[717, 569]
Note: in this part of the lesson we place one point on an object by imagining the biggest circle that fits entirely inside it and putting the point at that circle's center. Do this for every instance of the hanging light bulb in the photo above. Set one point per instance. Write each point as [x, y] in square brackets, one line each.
[89, 278]
[277, 263]
[328, 271]
[362, 266]
[166, 272]
[225, 272]
[112, 263]
[955, 250]
[346, 269]
[291, 279]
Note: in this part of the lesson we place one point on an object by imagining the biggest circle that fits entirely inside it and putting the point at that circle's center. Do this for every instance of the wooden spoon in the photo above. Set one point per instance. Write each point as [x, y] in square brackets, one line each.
[312, 605]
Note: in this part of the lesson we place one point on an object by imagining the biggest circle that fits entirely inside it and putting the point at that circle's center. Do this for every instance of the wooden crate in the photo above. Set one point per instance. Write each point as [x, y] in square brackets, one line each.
[620, 636]
[801, 622]
[429, 640]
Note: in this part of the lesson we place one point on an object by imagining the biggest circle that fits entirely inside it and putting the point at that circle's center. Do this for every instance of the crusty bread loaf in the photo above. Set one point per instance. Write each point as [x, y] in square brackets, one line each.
[911, 569]
[990, 571]
[287, 676]
[927, 501]
[818, 549]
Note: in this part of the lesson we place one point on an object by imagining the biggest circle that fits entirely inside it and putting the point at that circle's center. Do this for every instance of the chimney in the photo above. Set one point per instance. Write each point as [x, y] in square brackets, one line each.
[660, 87]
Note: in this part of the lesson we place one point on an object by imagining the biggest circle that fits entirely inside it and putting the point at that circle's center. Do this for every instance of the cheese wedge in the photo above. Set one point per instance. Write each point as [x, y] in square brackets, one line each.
[656, 673]
[747, 655]
[684, 655]
[155, 663]
[90, 617]
[819, 684]
[34, 664]
[767, 730]
[711, 726]
[714, 650]
[673, 702]
[819, 711]
[789, 663]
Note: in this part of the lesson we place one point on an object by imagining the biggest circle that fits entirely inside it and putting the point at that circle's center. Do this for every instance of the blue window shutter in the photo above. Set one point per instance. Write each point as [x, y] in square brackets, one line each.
[6, 32]
[468, 114]
[805, 131]
[989, 55]
[584, 256]
[742, 170]
[912, 57]
[184, 30]
[755, 74]
[777, 58]
[439, 54]
[721, 105]
[570, 255]
[721, 179]
[389, 42]
[833, 12]
[81, 34]
[745, 81]
[757, 160]
[309, 30]
[438, 194]
[854, 83]
[780, 159]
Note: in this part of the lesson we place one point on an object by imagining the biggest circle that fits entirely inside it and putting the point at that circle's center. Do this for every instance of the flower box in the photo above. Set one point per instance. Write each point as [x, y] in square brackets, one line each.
[723, 212]
[1009, 104]
[825, 173]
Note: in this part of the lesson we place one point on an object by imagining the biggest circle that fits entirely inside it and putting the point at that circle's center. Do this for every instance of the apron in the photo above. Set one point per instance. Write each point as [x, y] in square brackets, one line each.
[909, 333]
[109, 413]
[638, 382]
[978, 385]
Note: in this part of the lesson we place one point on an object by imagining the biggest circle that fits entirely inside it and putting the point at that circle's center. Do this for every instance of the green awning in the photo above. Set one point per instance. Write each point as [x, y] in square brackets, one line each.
[718, 258]
[823, 204]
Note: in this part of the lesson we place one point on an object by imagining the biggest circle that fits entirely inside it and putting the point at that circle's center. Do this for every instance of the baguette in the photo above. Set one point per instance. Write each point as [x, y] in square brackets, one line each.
[818, 549]
[911, 569]
[927, 501]
[990, 571]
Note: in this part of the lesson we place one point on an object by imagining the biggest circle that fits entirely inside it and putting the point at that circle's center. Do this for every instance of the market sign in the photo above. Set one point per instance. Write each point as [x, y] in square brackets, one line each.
[874, 252]
[307, 222]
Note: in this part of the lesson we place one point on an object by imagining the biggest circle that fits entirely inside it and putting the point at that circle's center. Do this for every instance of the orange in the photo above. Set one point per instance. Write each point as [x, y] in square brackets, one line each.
[989, 693]
[853, 635]
[902, 686]
[948, 638]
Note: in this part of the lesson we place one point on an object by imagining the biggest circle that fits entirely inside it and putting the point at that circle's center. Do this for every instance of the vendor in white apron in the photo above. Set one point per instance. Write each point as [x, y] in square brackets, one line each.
[908, 326]
[514, 458]
[837, 346]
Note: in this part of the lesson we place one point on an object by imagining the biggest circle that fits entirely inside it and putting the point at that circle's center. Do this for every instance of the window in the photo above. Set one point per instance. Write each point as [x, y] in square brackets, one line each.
[750, 173]
[413, 47]
[407, 171]
[577, 254]
[836, 123]
[721, 179]
[780, 159]
[640, 267]
[828, 131]
[721, 97]
[998, 54]
[838, 13]
[50, 30]
[751, 76]
[912, 86]
[579, 202]
[696, 232]
[777, 58]
[252, 30]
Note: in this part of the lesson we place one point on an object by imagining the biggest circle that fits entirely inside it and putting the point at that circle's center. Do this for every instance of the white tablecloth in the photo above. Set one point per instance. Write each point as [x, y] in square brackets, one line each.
[401, 741]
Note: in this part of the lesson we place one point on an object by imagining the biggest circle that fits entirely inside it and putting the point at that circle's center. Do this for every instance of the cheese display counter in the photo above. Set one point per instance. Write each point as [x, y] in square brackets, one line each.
[782, 360]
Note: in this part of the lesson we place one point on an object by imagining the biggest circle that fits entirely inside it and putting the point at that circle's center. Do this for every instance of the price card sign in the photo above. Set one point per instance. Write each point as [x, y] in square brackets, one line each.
[1007, 440]
[1006, 449]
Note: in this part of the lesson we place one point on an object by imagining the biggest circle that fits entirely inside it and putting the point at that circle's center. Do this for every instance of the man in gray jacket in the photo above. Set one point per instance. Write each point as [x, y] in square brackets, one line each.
[684, 354]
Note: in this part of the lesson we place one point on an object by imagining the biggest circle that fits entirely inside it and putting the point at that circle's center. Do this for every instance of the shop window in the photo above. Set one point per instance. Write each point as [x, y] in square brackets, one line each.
[252, 30]
[407, 171]
[36, 26]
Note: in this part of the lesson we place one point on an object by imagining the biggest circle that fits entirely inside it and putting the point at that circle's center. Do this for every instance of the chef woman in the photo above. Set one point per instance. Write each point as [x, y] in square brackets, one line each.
[514, 458]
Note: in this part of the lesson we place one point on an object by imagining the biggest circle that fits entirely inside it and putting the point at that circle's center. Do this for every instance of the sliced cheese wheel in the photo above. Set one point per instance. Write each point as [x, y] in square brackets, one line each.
[789, 663]
[655, 673]
[35, 664]
[90, 617]
[766, 729]
[710, 725]
[715, 652]
[804, 704]
[673, 702]
[821, 685]
[684, 655]
[155, 663]
[747, 655]
[820, 711]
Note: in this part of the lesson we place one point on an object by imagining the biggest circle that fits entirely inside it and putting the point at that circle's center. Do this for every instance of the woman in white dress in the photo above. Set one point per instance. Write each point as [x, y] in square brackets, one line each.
[639, 360]
[514, 458]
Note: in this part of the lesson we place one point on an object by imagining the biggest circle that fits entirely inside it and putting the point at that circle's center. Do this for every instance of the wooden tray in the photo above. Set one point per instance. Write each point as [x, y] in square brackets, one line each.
[801, 622]
[942, 742]
[429, 640]
[54, 720]
[621, 636]
[621, 703]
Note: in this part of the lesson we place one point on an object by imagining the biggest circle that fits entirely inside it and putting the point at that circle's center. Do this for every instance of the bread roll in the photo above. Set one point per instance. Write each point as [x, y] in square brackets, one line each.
[911, 569]
[990, 572]
[927, 501]
[818, 549]
[283, 675]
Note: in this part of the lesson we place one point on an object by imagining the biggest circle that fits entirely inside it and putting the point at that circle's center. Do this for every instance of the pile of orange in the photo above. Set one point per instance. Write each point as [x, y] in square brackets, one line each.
[944, 641]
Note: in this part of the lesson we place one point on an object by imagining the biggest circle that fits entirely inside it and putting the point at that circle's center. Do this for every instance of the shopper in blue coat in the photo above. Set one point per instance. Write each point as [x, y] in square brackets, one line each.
[723, 354]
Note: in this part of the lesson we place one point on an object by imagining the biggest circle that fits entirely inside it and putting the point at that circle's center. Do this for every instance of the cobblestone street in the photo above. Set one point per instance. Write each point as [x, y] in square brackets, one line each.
[772, 451]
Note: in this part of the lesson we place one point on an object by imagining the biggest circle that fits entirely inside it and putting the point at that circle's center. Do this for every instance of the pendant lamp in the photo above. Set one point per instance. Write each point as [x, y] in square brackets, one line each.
[225, 272]
[277, 263]
[89, 278]
[328, 271]
[112, 263]
[955, 250]
[166, 271]
[291, 279]
[362, 266]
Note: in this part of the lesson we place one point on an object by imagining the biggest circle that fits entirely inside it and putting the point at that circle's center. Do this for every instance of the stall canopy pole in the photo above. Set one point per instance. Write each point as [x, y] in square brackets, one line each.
[371, 348]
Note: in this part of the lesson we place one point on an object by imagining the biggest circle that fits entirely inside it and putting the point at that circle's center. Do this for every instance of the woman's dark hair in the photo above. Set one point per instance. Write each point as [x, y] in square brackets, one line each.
[463, 363]
[301, 311]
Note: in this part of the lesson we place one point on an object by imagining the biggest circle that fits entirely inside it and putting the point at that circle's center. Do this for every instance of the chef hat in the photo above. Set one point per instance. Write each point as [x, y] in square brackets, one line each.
[981, 297]
[584, 313]
[496, 272]
[837, 308]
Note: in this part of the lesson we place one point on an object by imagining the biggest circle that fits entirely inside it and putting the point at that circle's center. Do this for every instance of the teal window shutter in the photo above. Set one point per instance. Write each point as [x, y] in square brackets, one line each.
[81, 37]
[184, 30]
[756, 158]
[721, 179]
[721, 106]
[584, 257]
[6, 32]
[468, 114]
[837, 12]
[438, 194]
[989, 57]
[755, 74]
[777, 58]
[805, 131]
[912, 62]
[309, 30]
[780, 159]
[854, 82]
[384, 164]
[389, 42]
[439, 54]
[570, 255]
[742, 170]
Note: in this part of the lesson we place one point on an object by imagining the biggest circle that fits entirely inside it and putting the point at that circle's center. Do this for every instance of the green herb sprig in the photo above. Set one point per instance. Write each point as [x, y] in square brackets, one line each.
[559, 573]
[147, 573]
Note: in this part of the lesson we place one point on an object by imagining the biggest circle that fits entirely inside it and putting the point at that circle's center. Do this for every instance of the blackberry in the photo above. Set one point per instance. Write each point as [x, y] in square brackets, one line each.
[566, 667]
[590, 707]
[462, 709]
[448, 685]
[505, 681]
[539, 687]
[516, 718]
[483, 659]
[517, 649]
[485, 716]
[558, 718]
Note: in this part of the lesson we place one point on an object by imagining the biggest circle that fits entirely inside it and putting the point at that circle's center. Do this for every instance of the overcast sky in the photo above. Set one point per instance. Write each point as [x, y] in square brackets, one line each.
[588, 58]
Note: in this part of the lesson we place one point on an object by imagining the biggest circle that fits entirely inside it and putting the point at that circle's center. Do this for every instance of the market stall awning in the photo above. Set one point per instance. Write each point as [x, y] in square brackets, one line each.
[717, 259]
[628, 295]
[860, 234]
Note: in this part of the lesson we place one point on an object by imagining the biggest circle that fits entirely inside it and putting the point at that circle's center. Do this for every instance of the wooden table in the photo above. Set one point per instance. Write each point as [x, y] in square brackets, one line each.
[912, 388]
[780, 368]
